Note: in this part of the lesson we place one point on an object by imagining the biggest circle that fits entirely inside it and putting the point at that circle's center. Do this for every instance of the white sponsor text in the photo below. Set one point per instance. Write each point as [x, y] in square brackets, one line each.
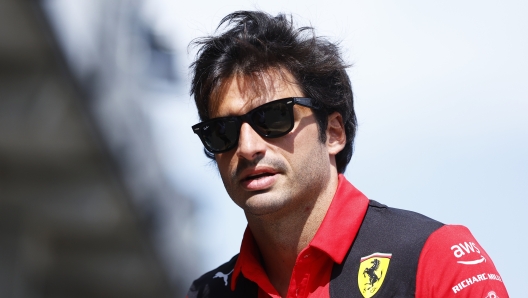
[475, 279]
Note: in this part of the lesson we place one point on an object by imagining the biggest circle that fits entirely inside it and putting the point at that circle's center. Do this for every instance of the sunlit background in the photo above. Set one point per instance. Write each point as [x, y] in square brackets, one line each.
[105, 191]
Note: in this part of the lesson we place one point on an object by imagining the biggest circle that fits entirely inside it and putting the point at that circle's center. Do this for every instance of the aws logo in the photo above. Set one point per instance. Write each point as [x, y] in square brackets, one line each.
[461, 249]
[372, 272]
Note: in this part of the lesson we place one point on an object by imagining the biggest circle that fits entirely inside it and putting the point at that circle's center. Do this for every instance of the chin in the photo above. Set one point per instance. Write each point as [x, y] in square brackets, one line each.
[264, 204]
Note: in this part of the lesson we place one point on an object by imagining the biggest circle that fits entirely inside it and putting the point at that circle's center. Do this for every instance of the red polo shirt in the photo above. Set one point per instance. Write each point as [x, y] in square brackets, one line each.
[452, 263]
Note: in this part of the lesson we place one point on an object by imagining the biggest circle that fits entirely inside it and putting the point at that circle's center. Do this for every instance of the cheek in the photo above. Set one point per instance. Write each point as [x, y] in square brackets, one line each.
[223, 162]
[302, 138]
[301, 150]
[308, 140]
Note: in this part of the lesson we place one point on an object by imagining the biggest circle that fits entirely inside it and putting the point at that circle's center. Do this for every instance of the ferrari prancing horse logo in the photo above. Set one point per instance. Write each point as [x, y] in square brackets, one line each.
[372, 271]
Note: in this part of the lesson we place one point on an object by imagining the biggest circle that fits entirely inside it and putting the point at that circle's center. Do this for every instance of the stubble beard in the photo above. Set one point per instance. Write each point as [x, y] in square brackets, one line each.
[259, 203]
[304, 188]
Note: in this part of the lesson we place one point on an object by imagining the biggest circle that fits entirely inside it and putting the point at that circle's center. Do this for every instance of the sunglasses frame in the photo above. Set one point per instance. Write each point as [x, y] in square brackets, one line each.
[288, 101]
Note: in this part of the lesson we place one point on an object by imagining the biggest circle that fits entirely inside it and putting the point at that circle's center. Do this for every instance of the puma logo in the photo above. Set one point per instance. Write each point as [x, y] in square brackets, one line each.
[222, 275]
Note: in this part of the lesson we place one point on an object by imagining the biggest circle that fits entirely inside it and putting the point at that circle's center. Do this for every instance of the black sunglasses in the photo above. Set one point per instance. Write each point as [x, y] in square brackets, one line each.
[271, 120]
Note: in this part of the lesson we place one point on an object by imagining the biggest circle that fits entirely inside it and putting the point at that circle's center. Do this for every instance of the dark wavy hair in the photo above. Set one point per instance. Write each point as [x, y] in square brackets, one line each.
[254, 43]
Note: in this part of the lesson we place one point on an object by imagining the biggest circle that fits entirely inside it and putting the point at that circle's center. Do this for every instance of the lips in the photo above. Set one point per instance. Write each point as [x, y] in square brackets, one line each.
[258, 176]
[259, 179]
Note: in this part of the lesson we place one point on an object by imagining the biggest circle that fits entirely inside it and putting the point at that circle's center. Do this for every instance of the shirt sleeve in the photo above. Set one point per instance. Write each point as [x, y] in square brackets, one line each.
[453, 264]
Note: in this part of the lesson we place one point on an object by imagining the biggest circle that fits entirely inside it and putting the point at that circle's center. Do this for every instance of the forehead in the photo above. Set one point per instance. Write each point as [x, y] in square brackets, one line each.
[241, 93]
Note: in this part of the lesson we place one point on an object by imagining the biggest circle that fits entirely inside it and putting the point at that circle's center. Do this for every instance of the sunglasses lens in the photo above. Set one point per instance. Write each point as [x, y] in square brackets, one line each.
[220, 135]
[272, 119]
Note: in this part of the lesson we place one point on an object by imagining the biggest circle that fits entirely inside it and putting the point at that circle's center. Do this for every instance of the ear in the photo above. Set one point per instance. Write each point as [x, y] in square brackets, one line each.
[335, 134]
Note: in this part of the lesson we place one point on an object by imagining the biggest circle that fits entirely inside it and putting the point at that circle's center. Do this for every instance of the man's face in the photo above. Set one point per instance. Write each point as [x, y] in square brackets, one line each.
[279, 175]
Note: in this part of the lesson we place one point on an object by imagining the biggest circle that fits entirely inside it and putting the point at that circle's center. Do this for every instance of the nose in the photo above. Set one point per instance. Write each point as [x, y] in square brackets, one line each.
[250, 144]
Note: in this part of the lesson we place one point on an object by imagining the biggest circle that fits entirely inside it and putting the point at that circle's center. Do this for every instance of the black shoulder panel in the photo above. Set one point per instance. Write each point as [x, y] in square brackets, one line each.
[217, 284]
[390, 231]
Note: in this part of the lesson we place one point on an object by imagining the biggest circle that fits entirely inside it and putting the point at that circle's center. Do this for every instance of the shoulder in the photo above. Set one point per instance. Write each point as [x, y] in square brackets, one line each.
[404, 223]
[214, 283]
[452, 262]
[401, 232]
[395, 213]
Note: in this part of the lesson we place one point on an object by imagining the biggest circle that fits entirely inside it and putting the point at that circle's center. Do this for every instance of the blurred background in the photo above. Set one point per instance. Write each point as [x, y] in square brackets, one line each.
[105, 191]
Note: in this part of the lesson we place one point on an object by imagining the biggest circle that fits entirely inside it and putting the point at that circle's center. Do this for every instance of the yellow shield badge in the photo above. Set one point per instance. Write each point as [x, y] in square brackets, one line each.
[372, 271]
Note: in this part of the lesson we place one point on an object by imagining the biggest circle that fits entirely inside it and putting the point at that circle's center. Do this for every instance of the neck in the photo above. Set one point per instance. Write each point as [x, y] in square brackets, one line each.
[281, 237]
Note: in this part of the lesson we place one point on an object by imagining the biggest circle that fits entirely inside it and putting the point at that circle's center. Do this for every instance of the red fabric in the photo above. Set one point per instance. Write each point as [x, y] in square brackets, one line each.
[438, 270]
[453, 264]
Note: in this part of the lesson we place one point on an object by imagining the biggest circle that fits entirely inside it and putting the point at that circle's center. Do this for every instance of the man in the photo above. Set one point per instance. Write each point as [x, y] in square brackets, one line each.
[278, 119]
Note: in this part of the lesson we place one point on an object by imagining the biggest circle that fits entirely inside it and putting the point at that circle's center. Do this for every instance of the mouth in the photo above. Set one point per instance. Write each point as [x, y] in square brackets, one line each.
[258, 176]
[260, 179]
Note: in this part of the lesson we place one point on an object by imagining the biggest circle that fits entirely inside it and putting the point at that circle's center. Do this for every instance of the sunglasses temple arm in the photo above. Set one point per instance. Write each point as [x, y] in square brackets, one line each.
[304, 101]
